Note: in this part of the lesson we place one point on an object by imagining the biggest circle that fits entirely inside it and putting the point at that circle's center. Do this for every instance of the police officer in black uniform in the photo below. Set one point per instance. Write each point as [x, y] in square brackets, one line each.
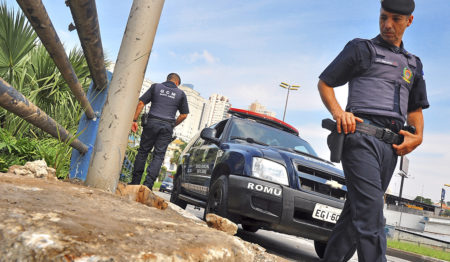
[386, 88]
[166, 99]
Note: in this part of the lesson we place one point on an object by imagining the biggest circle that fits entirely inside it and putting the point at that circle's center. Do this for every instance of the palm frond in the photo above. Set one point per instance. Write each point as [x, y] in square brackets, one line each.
[17, 38]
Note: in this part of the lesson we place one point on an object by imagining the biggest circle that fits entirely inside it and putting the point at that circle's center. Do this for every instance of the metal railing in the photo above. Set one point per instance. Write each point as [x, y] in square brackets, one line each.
[13, 101]
[85, 16]
[100, 143]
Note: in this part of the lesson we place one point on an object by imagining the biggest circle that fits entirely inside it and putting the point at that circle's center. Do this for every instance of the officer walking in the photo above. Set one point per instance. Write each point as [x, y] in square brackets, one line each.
[386, 88]
[166, 98]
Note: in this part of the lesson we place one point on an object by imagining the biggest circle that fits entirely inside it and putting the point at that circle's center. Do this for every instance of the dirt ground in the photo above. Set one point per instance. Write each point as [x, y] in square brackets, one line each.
[44, 219]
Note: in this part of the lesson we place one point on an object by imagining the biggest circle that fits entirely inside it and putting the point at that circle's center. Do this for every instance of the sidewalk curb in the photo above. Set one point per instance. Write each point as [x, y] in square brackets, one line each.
[410, 256]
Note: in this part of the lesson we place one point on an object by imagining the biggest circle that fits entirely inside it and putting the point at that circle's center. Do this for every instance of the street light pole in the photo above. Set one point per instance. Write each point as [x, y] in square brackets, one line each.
[285, 104]
[443, 197]
[404, 164]
[288, 87]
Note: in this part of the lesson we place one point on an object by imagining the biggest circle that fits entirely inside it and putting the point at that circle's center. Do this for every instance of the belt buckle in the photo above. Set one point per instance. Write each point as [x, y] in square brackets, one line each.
[388, 136]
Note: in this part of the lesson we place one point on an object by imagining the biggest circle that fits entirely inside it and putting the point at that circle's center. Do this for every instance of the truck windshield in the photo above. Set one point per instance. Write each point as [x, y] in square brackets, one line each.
[250, 130]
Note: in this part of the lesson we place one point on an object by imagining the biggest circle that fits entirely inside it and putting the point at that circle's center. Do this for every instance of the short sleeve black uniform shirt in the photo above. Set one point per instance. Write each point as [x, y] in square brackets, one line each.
[166, 99]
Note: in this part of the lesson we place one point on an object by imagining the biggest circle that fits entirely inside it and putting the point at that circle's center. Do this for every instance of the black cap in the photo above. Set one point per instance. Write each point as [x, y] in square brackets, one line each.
[404, 7]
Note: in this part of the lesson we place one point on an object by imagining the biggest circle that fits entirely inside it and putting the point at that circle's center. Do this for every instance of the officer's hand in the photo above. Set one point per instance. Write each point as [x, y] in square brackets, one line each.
[410, 142]
[134, 127]
[347, 121]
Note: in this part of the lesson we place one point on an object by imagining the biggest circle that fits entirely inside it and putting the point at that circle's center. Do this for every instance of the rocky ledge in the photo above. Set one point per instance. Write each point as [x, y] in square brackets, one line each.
[44, 219]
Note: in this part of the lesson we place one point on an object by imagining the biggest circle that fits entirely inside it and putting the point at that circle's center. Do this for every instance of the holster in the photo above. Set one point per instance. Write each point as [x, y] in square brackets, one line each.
[335, 140]
[144, 119]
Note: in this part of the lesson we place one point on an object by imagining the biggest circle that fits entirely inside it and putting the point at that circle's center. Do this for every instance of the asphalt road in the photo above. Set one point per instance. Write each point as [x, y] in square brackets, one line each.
[289, 247]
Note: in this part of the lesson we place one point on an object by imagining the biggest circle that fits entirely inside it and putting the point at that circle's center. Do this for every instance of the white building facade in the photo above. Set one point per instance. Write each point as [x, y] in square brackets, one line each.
[258, 108]
[218, 108]
[196, 118]
[146, 86]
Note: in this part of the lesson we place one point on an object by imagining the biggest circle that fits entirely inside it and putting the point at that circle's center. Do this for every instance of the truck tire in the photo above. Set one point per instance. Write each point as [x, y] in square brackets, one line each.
[320, 248]
[218, 198]
[175, 193]
[250, 228]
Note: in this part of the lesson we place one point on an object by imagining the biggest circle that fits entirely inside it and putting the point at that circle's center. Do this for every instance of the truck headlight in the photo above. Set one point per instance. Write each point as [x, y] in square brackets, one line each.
[269, 170]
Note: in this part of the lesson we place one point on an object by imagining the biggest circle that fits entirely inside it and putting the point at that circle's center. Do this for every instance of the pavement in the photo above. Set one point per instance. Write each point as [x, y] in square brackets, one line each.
[408, 256]
[294, 247]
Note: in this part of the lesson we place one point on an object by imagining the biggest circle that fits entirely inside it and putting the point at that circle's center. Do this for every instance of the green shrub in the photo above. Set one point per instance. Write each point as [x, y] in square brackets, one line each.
[18, 151]
[15, 151]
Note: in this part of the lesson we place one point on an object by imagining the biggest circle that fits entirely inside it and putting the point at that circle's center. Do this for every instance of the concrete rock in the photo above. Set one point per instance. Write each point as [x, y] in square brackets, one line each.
[38, 169]
[45, 220]
[141, 194]
[221, 224]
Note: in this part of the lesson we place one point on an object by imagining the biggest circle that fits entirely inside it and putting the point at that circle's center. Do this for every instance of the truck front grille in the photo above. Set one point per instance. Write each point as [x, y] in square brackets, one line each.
[321, 182]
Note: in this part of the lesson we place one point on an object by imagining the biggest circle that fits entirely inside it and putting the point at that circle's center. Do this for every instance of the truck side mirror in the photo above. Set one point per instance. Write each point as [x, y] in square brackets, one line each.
[209, 134]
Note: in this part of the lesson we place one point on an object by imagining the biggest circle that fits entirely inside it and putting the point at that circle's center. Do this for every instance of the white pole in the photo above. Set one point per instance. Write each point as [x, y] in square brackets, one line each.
[126, 83]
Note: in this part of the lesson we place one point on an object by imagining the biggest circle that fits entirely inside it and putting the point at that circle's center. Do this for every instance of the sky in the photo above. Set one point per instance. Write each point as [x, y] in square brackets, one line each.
[245, 49]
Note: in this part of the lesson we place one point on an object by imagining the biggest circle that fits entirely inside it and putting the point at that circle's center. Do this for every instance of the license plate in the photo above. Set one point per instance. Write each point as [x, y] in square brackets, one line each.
[326, 213]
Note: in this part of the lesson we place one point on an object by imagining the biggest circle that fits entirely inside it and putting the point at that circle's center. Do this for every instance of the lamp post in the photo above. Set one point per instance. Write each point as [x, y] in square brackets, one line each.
[288, 87]
[404, 164]
[443, 197]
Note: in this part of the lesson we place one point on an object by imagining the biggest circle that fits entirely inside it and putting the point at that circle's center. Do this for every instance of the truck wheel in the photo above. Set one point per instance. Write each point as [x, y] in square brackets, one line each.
[320, 248]
[250, 228]
[176, 191]
[218, 197]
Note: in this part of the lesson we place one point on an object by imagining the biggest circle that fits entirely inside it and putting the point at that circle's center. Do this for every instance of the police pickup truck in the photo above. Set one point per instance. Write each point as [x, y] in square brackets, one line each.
[256, 171]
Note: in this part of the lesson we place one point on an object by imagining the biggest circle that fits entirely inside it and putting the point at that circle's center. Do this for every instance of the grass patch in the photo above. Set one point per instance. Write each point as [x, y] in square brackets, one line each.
[422, 250]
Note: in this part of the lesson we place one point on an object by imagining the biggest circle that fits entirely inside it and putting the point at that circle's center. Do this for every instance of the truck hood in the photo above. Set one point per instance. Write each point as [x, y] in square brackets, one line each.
[300, 158]
[307, 172]
[288, 157]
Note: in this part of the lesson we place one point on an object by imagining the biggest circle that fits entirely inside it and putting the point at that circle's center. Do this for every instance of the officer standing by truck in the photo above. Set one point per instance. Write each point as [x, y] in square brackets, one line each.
[386, 88]
[166, 99]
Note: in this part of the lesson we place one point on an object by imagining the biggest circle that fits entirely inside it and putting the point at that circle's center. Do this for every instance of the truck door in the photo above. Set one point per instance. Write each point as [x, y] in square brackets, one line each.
[195, 169]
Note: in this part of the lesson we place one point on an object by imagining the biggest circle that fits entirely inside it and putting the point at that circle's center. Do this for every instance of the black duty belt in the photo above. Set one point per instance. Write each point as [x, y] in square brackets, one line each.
[384, 134]
[161, 119]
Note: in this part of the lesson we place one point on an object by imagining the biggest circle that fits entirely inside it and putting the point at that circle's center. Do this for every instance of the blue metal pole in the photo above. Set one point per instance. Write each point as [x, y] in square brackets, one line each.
[79, 163]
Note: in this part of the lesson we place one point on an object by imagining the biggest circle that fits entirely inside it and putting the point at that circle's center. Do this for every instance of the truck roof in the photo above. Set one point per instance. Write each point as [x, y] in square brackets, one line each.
[265, 119]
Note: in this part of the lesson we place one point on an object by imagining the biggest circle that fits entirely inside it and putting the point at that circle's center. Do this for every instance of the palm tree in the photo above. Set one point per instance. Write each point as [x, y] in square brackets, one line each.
[27, 66]
[17, 39]
[48, 89]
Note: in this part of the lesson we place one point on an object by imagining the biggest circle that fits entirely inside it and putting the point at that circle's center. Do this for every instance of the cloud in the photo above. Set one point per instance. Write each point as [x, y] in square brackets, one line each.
[203, 56]
[428, 166]
[246, 81]
[194, 57]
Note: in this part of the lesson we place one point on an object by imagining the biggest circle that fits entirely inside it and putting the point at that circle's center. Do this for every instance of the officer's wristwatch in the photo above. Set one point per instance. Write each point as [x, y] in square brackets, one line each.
[134, 120]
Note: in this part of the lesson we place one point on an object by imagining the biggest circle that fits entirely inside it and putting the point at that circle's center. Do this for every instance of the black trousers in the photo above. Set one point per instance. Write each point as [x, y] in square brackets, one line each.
[157, 135]
[368, 165]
